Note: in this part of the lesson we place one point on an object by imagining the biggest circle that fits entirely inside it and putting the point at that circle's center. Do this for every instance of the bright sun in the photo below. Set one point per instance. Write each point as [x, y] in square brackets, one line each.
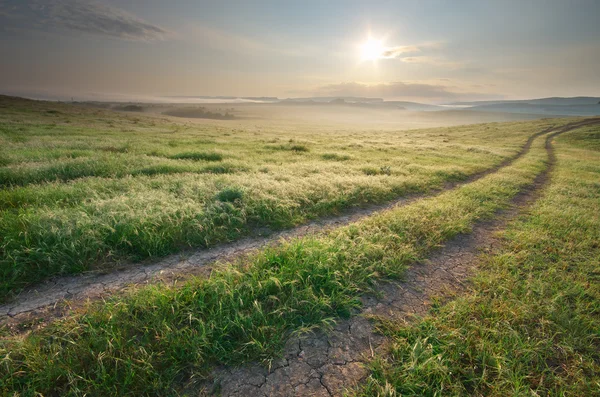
[371, 50]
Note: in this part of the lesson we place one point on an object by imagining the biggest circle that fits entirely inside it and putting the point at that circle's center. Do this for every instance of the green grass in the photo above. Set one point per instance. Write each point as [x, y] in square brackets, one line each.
[530, 326]
[335, 157]
[198, 156]
[153, 341]
[230, 195]
[83, 188]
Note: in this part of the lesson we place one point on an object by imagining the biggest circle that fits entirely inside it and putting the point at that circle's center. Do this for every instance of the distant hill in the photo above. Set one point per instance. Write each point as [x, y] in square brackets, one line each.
[555, 106]
[580, 100]
[559, 101]
[546, 109]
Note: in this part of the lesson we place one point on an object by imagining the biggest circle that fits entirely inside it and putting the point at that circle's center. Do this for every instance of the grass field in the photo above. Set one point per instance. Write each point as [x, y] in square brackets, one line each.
[156, 339]
[530, 324]
[86, 188]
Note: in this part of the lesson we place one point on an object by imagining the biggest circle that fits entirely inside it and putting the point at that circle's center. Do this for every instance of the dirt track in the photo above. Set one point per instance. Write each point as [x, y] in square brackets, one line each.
[327, 364]
[59, 296]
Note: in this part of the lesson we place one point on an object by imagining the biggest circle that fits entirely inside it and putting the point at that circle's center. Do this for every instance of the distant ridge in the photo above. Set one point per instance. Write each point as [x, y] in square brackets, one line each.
[555, 106]
[560, 101]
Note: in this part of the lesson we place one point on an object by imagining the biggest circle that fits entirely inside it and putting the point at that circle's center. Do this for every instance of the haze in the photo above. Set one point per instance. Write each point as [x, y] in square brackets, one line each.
[426, 51]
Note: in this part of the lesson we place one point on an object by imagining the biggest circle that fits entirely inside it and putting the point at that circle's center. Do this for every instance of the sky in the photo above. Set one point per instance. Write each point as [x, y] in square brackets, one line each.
[419, 50]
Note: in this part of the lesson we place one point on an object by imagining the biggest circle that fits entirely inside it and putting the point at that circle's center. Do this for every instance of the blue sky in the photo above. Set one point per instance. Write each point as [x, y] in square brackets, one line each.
[441, 50]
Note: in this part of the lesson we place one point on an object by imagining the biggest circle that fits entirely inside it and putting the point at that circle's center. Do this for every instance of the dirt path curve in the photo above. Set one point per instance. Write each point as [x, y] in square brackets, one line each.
[59, 296]
[327, 364]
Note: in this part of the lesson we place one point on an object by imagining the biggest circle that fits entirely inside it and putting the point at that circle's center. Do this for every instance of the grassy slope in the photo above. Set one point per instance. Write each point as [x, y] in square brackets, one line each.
[531, 324]
[86, 187]
[156, 338]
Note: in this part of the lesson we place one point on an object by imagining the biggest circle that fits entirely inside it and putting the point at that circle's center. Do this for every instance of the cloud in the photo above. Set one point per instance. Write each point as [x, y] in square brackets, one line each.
[407, 54]
[398, 51]
[394, 52]
[78, 16]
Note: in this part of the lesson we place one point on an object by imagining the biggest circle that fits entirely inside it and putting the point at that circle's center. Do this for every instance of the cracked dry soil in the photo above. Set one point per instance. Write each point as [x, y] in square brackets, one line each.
[330, 363]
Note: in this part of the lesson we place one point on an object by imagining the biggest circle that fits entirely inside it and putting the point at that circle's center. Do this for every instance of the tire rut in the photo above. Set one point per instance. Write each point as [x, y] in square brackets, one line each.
[60, 296]
[329, 363]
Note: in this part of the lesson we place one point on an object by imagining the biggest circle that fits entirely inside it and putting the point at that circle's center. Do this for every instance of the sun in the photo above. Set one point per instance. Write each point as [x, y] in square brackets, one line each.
[371, 50]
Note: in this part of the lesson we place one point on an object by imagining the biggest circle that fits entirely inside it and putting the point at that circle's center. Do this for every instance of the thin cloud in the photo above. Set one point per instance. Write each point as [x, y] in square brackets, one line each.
[78, 16]
[399, 51]
[395, 52]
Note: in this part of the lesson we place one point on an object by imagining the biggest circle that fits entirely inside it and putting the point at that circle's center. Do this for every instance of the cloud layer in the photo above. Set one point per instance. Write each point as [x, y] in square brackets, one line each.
[78, 16]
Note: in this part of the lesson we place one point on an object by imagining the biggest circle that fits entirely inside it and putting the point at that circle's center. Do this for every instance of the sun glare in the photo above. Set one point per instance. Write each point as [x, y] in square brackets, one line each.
[371, 49]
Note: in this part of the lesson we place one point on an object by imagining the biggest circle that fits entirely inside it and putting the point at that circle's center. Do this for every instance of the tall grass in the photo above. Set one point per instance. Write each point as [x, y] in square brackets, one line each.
[156, 339]
[529, 326]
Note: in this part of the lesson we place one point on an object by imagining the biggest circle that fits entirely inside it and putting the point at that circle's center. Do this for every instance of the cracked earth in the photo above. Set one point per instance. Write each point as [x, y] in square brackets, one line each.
[328, 363]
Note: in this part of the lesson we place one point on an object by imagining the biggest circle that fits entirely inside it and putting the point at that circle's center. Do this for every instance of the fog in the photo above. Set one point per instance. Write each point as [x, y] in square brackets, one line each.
[329, 115]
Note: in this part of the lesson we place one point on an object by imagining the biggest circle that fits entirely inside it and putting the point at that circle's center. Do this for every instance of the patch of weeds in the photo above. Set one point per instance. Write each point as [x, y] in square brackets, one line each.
[159, 169]
[230, 194]
[298, 148]
[198, 156]
[383, 170]
[335, 157]
[219, 169]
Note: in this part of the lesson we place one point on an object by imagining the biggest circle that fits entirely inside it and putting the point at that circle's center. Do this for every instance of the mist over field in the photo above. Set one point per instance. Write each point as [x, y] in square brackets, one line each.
[321, 199]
